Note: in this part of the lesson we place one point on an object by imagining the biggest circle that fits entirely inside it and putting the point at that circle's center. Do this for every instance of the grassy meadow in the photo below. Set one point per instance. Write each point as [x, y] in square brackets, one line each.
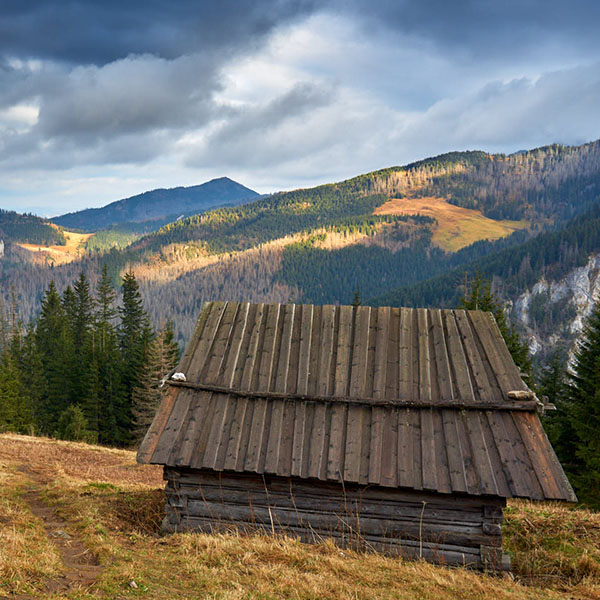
[101, 501]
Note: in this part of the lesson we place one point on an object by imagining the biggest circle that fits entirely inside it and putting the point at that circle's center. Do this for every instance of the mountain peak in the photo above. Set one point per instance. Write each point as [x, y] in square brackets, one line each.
[160, 204]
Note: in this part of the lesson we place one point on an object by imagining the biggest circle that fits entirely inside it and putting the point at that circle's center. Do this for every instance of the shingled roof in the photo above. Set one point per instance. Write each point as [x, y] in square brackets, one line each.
[396, 397]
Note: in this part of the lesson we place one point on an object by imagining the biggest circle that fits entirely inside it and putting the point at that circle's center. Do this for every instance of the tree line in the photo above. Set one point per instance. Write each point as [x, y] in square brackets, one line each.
[88, 368]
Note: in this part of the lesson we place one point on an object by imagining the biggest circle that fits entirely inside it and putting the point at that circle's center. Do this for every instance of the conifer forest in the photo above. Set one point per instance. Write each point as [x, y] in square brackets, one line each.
[88, 368]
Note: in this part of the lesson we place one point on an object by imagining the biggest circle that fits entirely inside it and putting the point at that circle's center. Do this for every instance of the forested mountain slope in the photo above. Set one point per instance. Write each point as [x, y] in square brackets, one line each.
[29, 229]
[161, 204]
[538, 277]
[419, 229]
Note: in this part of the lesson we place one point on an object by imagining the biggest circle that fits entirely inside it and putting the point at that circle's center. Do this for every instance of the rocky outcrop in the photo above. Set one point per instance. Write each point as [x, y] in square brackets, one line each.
[571, 298]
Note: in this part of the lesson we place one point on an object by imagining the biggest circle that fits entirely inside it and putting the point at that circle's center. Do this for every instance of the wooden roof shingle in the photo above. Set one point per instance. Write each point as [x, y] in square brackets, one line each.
[397, 397]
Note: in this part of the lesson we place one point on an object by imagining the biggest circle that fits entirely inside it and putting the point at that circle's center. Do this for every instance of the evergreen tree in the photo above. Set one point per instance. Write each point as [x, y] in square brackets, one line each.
[553, 385]
[82, 387]
[161, 357]
[4, 329]
[33, 372]
[168, 348]
[84, 308]
[72, 425]
[15, 413]
[55, 345]
[101, 408]
[69, 303]
[135, 336]
[584, 412]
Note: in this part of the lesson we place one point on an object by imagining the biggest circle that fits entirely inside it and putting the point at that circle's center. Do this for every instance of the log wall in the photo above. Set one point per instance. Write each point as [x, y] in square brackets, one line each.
[444, 528]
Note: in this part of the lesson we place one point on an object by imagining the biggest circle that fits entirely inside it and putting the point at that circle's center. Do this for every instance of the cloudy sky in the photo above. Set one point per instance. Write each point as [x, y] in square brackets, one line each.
[103, 99]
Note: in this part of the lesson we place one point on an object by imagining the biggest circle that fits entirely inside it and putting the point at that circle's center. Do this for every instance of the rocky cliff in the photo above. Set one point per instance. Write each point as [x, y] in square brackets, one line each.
[552, 313]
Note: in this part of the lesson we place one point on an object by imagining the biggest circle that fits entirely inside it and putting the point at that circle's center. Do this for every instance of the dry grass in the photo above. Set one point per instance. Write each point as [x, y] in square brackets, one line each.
[116, 506]
[457, 227]
[27, 557]
[60, 255]
[554, 545]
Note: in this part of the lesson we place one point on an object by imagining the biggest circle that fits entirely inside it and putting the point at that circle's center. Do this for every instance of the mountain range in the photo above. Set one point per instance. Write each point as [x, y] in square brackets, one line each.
[410, 235]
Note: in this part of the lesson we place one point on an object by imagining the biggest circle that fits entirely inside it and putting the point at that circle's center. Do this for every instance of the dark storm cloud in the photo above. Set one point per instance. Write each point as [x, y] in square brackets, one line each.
[285, 89]
[101, 31]
[487, 28]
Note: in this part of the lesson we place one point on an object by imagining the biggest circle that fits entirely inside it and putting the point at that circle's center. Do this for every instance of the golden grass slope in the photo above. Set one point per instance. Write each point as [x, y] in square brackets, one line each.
[115, 507]
[60, 255]
[457, 227]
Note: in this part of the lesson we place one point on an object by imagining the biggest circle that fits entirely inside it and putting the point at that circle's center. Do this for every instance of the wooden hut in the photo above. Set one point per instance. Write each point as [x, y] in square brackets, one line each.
[402, 430]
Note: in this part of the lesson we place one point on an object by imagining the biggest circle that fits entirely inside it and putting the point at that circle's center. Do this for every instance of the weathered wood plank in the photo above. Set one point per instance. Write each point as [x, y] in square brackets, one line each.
[360, 347]
[460, 370]
[318, 444]
[205, 342]
[492, 341]
[183, 447]
[406, 467]
[300, 432]
[314, 365]
[235, 434]
[252, 356]
[172, 427]
[343, 356]
[268, 347]
[153, 434]
[305, 346]
[479, 376]
[287, 439]
[220, 344]
[453, 447]
[231, 357]
[342, 505]
[279, 518]
[283, 358]
[440, 353]
[519, 480]
[337, 442]
[219, 432]
[326, 350]
[257, 435]
[389, 462]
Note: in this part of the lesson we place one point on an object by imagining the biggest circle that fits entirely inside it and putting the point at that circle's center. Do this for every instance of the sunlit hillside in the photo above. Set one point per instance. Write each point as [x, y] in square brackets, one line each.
[456, 227]
[59, 255]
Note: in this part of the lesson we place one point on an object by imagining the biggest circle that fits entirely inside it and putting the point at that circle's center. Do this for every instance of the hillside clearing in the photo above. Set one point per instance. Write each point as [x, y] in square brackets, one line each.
[60, 255]
[115, 506]
[457, 227]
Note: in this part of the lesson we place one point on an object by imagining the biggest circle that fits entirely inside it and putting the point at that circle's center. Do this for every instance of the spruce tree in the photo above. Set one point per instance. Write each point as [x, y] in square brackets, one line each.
[553, 386]
[135, 336]
[101, 409]
[15, 413]
[55, 345]
[84, 308]
[83, 388]
[584, 412]
[69, 303]
[161, 357]
[33, 372]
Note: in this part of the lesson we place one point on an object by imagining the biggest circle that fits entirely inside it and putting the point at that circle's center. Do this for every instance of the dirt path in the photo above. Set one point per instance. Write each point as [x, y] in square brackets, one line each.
[81, 568]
